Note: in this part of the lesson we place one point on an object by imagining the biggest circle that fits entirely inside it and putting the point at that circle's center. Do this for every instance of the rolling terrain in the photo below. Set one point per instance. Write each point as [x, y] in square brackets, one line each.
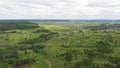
[66, 44]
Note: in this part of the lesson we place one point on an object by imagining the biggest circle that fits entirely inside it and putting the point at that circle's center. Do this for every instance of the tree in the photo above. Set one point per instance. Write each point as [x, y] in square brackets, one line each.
[104, 47]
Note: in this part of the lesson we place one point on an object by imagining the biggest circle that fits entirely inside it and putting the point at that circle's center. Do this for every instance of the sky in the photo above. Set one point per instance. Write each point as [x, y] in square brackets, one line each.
[59, 9]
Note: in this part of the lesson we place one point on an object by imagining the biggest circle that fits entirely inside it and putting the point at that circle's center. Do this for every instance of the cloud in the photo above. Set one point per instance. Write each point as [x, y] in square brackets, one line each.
[60, 9]
[105, 3]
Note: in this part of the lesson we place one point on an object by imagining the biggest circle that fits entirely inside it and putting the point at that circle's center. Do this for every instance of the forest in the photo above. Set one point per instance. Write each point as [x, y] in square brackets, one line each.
[59, 45]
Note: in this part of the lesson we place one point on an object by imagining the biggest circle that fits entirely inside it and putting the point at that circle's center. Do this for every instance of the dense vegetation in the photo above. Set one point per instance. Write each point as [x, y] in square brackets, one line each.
[13, 26]
[59, 45]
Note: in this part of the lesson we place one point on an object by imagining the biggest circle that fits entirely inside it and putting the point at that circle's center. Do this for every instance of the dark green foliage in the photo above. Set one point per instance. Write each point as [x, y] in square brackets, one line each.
[20, 55]
[13, 26]
[38, 48]
[91, 53]
[67, 56]
[101, 27]
[41, 38]
[104, 47]
[83, 63]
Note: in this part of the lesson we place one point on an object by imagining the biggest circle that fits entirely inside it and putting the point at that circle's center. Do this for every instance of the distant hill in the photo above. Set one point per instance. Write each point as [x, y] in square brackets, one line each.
[55, 20]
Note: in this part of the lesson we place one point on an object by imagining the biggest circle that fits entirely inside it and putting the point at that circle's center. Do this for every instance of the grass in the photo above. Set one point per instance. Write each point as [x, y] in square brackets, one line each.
[54, 46]
[42, 63]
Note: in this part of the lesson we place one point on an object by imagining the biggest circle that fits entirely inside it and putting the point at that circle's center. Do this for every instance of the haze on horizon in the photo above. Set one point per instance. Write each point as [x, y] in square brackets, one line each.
[60, 9]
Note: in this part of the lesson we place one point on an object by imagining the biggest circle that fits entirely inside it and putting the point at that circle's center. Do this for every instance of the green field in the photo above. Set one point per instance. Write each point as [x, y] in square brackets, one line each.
[60, 45]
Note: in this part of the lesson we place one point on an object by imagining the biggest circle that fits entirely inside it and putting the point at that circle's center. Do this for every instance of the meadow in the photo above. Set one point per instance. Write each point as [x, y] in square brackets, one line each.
[59, 45]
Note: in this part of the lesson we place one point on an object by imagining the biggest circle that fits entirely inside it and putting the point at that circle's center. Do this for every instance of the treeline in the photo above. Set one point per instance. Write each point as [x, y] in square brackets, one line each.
[104, 26]
[15, 26]
[41, 38]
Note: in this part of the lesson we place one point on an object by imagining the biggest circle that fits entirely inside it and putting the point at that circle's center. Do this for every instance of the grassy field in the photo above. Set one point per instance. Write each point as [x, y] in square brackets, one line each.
[60, 45]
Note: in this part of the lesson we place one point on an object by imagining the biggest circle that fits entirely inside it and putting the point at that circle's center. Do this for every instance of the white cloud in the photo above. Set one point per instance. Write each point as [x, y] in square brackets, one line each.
[60, 9]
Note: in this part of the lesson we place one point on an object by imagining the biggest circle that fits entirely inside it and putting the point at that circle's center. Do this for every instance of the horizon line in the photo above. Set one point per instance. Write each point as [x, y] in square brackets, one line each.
[55, 19]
